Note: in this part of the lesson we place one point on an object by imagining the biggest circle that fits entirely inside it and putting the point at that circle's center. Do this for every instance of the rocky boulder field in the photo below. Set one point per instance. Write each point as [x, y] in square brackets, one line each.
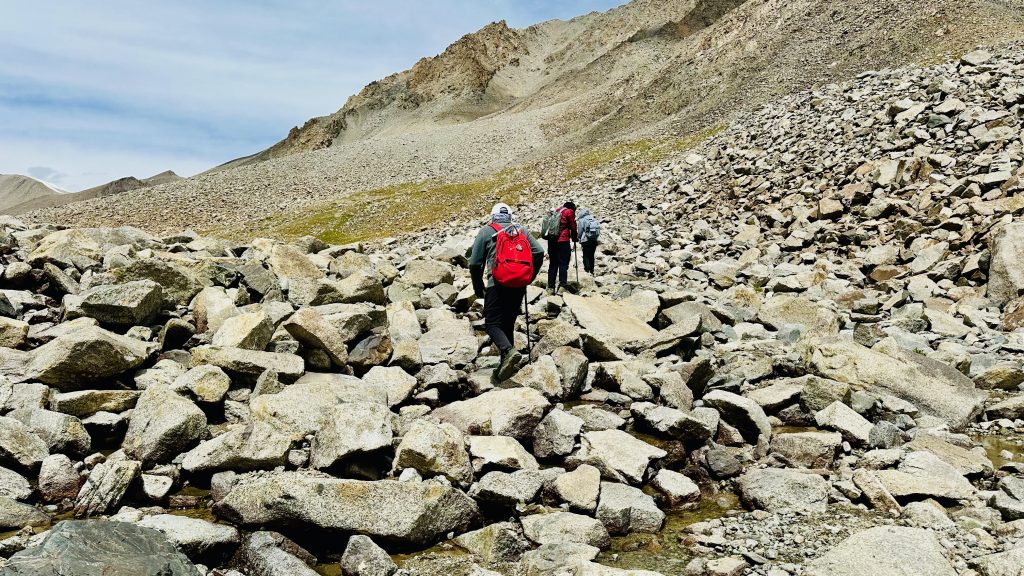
[801, 354]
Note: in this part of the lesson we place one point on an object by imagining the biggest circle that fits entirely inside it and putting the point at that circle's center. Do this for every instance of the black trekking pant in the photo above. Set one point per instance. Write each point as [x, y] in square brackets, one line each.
[589, 249]
[560, 254]
[501, 309]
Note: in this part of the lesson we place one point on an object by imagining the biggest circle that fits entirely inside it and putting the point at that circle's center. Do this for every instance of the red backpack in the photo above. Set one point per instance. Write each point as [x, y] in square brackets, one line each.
[513, 257]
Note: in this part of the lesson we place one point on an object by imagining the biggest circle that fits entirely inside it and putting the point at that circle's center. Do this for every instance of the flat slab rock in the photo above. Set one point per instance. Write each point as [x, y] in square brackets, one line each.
[401, 512]
[885, 551]
[101, 548]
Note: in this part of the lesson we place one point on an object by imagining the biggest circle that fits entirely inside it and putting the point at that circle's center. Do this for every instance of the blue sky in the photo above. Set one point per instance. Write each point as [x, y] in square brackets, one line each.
[93, 91]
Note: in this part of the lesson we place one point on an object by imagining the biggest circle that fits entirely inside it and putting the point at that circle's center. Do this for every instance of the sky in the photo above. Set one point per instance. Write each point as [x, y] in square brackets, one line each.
[94, 91]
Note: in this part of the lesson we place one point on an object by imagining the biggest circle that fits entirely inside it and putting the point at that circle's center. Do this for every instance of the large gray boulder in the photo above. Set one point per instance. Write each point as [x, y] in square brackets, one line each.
[310, 328]
[107, 484]
[349, 430]
[84, 356]
[301, 409]
[885, 551]
[743, 413]
[565, 527]
[131, 304]
[14, 485]
[100, 548]
[449, 339]
[785, 310]
[61, 432]
[924, 475]
[624, 509]
[15, 515]
[200, 539]
[618, 455]
[1005, 276]
[435, 450]
[609, 321]
[242, 448]
[775, 489]
[250, 363]
[402, 512]
[76, 246]
[934, 388]
[163, 425]
[511, 412]
[364, 558]
[179, 282]
[19, 446]
[271, 554]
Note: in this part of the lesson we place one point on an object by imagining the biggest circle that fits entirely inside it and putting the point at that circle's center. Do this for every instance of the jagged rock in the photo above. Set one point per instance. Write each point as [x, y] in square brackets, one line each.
[934, 388]
[163, 425]
[250, 331]
[579, 488]
[58, 479]
[250, 363]
[301, 408]
[85, 403]
[1000, 564]
[820, 393]
[13, 333]
[556, 434]
[130, 304]
[675, 488]
[1005, 278]
[19, 446]
[840, 417]
[198, 539]
[396, 382]
[1011, 408]
[885, 550]
[350, 429]
[14, 485]
[311, 329]
[15, 515]
[508, 489]
[405, 512]
[618, 455]
[241, 448]
[785, 310]
[205, 383]
[565, 527]
[427, 273]
[807, 449]
[625, 509]
[101, 548]
[499, 542]
[608, 321]
[212, 307]
[967, 462]
[778, 395]
[923, 474]
[665, 421]
[61, 432]
[448, 340]
[502, 452]
[364, 558]
[87, 355]
[178, 283]
[743, 413]
[875, 493]
[271, 554]
[927, 514]
[71, 246]
[107, 484]
[775, 489]
[435, 449]
[514, 412]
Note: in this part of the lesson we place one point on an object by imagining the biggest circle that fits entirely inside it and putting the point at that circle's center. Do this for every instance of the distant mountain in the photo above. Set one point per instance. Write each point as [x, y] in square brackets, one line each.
[502, 97]
[109, 189]
[16, 189]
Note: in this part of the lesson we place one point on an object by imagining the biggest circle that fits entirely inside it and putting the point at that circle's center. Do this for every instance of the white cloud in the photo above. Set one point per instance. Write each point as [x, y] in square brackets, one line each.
[107, 89]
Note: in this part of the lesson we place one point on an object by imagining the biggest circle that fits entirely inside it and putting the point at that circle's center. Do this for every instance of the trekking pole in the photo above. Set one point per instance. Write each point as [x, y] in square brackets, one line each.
[576, 257]
[529, 343]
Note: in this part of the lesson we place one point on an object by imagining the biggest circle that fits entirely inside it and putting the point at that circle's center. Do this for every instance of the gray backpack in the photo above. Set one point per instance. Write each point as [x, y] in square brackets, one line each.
[551, 227]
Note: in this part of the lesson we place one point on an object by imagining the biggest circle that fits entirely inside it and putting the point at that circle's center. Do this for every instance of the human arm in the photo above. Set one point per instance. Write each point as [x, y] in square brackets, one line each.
[538, 253]
[477, 262]
[569, 222]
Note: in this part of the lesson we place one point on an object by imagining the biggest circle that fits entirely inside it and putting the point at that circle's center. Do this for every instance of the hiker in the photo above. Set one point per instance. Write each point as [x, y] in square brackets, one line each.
[560, 231]
[512, 258]
[589, 230]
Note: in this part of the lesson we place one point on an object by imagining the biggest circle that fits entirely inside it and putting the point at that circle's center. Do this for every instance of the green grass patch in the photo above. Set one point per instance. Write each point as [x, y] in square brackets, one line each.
[394, 210]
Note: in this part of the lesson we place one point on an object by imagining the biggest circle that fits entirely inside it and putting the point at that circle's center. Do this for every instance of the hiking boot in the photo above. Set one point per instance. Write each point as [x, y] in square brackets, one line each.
[508, 367]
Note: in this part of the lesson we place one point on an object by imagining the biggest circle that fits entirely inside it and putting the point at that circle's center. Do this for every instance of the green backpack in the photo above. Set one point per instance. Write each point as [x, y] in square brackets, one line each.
[551, 227]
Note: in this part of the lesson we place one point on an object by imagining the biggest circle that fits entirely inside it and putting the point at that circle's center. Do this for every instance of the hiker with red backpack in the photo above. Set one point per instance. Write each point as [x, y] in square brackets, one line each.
[511, 258]
[559, 229]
